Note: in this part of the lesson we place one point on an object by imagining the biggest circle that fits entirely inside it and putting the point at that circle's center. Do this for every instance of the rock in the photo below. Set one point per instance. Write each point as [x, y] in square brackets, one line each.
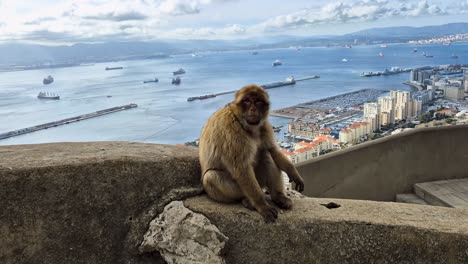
[182, 236]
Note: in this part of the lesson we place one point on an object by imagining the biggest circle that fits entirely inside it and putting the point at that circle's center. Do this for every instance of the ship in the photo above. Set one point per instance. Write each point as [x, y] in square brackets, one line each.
[289, 81]
[176, 80]
[206, 96]
[150, 81]
[113, 68]
[48, 80]
[179, 71]
[47, 95]
[277, 63]
[277, 129]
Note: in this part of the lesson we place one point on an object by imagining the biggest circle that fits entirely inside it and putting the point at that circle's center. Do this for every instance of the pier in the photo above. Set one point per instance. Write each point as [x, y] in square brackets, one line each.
[23, 131]
[265, 86]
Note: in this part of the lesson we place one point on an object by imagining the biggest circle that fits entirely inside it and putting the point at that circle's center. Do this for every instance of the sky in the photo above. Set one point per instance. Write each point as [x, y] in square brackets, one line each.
[74, 21]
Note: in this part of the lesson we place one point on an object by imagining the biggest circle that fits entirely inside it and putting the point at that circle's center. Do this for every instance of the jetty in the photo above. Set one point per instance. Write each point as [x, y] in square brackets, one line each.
[23, 131]
[289, 81]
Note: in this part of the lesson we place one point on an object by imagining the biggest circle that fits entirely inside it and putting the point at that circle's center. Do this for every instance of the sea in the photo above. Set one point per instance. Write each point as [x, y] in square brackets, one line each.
[165, 116]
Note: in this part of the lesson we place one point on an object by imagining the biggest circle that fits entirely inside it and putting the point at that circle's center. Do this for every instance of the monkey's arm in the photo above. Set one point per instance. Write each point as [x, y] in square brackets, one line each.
[285, 165]
[244, 175]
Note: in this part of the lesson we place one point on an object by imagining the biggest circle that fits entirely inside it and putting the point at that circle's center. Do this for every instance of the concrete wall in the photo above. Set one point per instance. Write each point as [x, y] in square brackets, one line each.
[92, 203]
[380, 169]
[86, 202]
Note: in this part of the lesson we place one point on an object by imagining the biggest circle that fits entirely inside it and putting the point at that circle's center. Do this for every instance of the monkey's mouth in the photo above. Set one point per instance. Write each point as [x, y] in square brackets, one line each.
[252, 120]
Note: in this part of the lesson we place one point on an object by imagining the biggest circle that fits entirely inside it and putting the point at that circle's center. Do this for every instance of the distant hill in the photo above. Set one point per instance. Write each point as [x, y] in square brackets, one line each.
[15, 53]
[408, 33]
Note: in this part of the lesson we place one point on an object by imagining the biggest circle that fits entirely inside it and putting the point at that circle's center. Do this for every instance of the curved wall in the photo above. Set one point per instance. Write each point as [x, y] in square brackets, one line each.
[380, 169]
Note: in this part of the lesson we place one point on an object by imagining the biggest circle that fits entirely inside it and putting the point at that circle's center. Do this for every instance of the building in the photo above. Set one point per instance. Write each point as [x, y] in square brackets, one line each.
[456, 92]
[354, 132]
[387, 112]
[371, 115]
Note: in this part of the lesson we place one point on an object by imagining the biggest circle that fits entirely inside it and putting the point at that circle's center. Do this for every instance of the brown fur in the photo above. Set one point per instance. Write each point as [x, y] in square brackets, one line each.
[239, 157]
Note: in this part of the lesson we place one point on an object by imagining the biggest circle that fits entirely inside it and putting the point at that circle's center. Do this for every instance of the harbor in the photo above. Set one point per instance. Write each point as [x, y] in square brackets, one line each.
[23, 131]
[288, 81]
[333, 104]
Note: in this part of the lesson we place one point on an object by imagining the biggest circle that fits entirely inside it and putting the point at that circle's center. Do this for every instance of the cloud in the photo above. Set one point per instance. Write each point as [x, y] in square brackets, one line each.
[40, 20]
[348, 12]
[116, 16]
[180, 7]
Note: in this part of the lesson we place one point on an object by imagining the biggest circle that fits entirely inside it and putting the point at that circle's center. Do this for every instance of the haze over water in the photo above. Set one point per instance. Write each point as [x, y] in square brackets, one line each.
[164, 115]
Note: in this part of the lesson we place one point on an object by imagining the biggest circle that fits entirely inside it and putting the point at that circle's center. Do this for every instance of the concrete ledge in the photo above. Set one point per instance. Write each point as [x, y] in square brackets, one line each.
[86, 202]
[356, 232]
[92, 202]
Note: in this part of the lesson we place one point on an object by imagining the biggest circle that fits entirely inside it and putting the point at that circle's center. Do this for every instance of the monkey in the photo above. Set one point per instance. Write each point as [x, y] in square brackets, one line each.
[239, 157]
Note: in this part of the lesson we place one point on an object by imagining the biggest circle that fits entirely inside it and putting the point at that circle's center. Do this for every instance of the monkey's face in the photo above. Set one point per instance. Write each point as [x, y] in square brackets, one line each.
[254, 108]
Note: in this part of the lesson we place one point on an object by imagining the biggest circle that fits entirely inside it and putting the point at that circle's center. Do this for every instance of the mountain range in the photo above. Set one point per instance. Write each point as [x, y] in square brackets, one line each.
[20, 54]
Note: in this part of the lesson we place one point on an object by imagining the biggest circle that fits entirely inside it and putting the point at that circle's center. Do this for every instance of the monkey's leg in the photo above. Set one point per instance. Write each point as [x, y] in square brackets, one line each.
[268, 172]
[220, 186]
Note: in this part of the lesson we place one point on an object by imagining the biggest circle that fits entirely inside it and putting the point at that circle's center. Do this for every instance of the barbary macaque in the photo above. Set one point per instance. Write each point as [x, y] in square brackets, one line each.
[239, 157]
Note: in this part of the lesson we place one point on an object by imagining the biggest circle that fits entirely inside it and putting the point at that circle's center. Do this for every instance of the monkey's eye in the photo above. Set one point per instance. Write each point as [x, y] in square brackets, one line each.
[259, 104]
[246, 102]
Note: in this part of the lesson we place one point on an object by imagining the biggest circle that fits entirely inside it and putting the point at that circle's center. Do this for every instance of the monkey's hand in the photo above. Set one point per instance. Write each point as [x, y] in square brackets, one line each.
[298, 181]
[269, 213]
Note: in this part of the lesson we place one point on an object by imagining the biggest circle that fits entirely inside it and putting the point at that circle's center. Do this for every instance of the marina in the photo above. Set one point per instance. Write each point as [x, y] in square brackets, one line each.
[288, 81]
[26, 130]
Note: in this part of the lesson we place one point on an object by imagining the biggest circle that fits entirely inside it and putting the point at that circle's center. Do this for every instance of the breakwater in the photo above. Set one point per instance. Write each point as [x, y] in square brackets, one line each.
[26, 130]
[265, 86]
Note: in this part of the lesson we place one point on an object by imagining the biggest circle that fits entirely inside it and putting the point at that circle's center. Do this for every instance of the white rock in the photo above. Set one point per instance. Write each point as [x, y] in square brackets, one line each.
[182, 236]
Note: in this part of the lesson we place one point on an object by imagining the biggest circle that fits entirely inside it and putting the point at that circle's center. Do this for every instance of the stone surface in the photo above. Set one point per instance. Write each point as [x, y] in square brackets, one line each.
[409, 198]
[184, 237]
[451, 193]
[356, 232]
[88, 202]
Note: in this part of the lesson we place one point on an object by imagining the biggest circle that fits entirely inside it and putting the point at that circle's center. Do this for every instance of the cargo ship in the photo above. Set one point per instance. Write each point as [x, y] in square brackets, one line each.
[150, 81]
[48, 80]
[206, 96]
[113, 68]
[179, 71]
[47, 95]
[176, 80]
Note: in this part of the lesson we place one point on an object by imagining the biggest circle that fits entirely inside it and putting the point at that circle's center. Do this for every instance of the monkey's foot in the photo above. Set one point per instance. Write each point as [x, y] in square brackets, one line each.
[247, 204]
[282, 201]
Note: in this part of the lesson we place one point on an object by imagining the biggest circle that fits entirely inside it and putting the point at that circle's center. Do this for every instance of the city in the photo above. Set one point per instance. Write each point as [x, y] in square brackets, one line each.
[338, 126]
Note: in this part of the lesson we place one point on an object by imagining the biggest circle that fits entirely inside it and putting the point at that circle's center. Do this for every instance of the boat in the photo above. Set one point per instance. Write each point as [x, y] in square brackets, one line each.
[113, 68]
[179, 71]
[277, 63]
[277, 129]
[427, 55]
[206, 96]
[285, 145]
[176, 80]
[383, 45]
[47, 95]
[48, 80]
[344, 60]
[149, 81]
[254, 53]
[415, 50]
[289, 81]
[454, 56]
[381, 54]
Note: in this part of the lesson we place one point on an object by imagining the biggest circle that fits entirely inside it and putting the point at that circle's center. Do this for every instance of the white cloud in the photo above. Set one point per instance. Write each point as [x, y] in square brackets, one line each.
[348, 12]
[145, 19]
